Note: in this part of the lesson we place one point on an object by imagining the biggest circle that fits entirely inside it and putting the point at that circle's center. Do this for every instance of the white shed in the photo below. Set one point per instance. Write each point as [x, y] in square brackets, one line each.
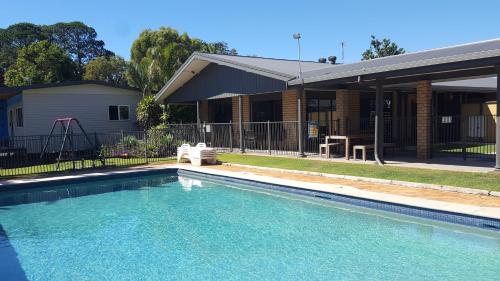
[99, 106]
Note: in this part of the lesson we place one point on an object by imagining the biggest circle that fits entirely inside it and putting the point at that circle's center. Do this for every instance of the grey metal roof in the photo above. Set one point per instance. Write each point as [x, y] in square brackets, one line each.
[287, 68]
[279, 69]
[19, 89]
[459, 53]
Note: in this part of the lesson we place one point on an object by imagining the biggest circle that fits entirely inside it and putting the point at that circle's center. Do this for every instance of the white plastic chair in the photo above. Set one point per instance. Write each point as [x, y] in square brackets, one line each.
[202, 152]
[183, 152]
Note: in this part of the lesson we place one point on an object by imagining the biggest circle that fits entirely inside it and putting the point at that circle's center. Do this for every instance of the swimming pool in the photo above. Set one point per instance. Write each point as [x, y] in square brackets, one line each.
[165, 227]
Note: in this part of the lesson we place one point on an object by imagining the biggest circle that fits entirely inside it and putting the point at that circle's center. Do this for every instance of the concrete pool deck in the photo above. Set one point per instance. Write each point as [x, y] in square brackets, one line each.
[450, 201]
[477, 204]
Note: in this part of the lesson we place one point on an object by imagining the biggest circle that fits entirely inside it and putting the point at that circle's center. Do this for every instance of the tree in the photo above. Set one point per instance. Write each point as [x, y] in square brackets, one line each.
[220, 48]
[12, 39]
[138, 76]
[111, 69]
[78, 40]
[40, 62]
[149, 113]
[157, 54]
[164, 51]
[161, 53]
[382, 48]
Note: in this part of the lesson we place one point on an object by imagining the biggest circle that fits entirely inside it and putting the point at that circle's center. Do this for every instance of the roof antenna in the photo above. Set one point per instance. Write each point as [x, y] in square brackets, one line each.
[342, 44]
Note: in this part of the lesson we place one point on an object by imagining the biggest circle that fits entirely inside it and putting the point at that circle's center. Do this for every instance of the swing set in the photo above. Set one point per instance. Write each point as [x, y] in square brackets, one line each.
[67, 146]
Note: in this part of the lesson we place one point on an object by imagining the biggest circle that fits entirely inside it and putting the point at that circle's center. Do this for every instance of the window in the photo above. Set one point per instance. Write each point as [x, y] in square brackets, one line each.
[320, 111]
[118, 112]
[19, 117]
[123, 112]
[270, 110]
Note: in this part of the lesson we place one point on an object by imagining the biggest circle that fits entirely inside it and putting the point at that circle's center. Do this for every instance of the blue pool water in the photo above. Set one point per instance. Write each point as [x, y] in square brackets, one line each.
[160, 228]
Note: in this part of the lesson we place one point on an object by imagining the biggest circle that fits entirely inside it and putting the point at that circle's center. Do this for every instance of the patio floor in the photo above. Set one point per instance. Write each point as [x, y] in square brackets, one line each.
[437, 163]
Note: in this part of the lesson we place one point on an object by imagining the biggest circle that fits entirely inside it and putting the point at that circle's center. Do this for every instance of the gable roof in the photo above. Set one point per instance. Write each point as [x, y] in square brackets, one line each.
[461, 53]
[19, 89]
[280, 69]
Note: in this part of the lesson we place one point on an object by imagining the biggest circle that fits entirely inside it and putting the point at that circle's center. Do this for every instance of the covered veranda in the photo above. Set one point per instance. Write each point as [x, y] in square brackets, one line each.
[417, 72]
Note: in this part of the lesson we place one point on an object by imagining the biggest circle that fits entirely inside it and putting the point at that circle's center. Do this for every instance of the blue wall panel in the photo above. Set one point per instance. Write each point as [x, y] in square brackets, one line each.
[218, 79]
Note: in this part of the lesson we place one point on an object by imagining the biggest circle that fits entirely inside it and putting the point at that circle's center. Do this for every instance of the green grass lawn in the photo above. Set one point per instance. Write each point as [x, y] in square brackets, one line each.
[488, 181]
[471, 148]
[87, 164]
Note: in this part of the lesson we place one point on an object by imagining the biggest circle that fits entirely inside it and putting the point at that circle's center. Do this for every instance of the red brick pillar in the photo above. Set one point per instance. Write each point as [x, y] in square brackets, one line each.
[424, 115]
[204, 111]
[290, 115]
[354, 112]
[289, 105]
[236, 111]
[347, 102]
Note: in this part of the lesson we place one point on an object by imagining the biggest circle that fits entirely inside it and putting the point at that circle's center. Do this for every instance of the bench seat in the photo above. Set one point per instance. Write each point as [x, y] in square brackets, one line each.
[366, 147]
[326, 147]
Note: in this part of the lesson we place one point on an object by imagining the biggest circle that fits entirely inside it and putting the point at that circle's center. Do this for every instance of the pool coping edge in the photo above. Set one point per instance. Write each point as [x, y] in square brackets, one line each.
[446, 214]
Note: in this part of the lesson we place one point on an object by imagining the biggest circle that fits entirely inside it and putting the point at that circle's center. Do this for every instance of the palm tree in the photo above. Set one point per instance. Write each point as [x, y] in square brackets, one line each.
[138, 76]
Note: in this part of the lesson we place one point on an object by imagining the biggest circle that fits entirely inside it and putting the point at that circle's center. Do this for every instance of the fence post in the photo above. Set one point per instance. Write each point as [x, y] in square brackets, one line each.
[240, 113]
[146, 145]
[204, 132]
[269, 137]
[72, 150]
[299, 119]
[231, 136]
[121, 141]
[96, 147]
[41, 149]
[463, 135]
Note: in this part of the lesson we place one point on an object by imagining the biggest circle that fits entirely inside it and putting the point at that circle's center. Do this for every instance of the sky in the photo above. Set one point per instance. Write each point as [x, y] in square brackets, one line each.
[265, 28]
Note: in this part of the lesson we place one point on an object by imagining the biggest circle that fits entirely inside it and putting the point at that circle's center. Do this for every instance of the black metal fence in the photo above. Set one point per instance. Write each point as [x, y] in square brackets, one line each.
[278, 138]
[467, 137]
[23, 155]
[464, 136]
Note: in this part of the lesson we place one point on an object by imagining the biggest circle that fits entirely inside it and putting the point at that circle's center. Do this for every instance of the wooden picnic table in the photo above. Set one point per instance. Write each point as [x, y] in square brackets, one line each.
[348, 139]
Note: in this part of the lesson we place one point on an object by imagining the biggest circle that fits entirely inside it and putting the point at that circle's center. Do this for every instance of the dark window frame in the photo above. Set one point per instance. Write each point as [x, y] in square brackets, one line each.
[117, 114]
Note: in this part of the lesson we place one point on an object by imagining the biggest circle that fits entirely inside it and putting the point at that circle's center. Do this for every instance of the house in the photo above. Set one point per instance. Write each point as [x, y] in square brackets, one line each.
[99, 106]
[440, 100]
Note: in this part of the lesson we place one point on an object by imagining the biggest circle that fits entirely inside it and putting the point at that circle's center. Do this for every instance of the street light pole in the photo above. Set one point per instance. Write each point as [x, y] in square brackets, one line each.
[297, 37]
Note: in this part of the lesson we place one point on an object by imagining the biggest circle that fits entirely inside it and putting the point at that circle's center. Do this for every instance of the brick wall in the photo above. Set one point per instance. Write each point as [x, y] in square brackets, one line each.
[348, 109]
[289, 102]
[236, 109]
[204, 111]
[424, 101]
